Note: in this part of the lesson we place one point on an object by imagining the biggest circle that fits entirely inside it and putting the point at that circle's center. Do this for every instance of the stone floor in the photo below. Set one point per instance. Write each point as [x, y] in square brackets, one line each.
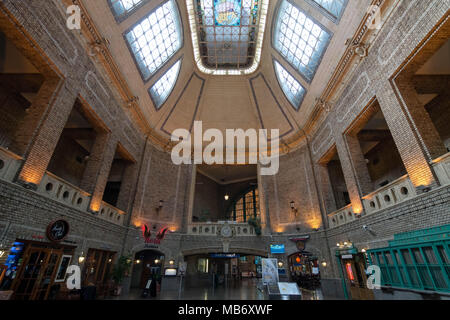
[249, 289]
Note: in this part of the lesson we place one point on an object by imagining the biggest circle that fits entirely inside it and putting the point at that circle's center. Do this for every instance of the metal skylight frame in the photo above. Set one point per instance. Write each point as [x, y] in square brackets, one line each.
[129, 6]
[299, 39]
[195, 43]
[167, 39]
[163, 87]
[333, 9]
[291, 87]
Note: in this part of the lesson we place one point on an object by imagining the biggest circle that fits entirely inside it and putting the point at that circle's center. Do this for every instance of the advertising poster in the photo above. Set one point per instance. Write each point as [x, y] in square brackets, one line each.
[269, 271]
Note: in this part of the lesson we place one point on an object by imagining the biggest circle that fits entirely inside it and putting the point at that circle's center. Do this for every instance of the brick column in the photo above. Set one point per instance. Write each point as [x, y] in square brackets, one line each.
[325, 188]
[129, 178]
[97, 176]
[425, 129]
[348, 152]
[359, 164]
[46, 138]
[95, 161]
[34, 115]
[408, 144]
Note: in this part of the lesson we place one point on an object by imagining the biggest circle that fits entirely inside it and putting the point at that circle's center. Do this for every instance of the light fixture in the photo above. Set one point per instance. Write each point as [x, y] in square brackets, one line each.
[171, 262]
[138, 261]
[280, 264]
[293, 208]
[338, 245]
[363, 250]
[81, 258]
[156, 261]
[160, 206]
[227, 197]
[109, 260]
[324, 264]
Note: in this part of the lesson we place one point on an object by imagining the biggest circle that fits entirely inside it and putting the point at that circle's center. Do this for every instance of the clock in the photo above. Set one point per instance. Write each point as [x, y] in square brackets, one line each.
[226, 231]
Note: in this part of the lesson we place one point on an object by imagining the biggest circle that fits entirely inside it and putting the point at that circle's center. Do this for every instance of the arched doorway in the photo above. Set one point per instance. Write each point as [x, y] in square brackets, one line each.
[146, 263]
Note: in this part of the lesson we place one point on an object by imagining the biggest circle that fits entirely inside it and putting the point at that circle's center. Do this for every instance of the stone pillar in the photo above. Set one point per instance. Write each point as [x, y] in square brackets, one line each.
[104, 159]
[421, 120]
[49, 129]
[127, 186]
[406, 138]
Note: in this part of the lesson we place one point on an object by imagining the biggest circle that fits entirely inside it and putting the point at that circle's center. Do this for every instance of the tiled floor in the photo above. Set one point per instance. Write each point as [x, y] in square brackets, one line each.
[250, 289]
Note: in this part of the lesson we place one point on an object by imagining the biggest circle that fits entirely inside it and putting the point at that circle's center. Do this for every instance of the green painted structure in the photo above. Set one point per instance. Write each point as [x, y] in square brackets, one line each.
[418, 260]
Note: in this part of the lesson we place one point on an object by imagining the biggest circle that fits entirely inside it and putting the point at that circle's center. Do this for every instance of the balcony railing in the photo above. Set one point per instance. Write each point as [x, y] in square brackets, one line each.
[62, 191]
[341, 216]
[9, 164]
[441, 167]
[392, 194]
[213, 228]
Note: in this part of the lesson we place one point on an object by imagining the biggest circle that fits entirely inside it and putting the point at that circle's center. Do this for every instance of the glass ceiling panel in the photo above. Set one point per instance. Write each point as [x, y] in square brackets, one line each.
[293, 90]
[333, 7]
[122, 7]
[161, 90]
[227, 32]
[155, 39]
[300, 40]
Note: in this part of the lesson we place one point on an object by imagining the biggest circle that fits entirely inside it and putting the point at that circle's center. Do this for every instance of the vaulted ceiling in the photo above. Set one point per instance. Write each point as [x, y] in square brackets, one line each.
[229, 63]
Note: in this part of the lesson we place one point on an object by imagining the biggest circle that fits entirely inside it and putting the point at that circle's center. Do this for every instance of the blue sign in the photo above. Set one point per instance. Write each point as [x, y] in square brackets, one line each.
[277, 248]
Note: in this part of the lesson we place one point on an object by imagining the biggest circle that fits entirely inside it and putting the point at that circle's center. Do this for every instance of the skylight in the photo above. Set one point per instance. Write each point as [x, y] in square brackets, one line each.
[334, 8]
[123, 7]
[291, 87]
[161, 90]
[300, 40]
[227, 35]
[155, 39]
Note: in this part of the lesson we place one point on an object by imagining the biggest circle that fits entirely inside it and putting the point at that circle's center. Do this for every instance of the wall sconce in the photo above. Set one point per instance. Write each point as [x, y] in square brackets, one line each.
[171, 262]
[109, 260]
[160, 206]
[138, 261]
[227, 197]
[324, 264]
[156, 261]
[293, 208]
[280, 264]
[81, 258]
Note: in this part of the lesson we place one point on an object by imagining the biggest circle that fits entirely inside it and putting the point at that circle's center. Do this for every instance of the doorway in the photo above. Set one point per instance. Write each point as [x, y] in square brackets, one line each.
[355, 277]
[37, 273]
[147, 263]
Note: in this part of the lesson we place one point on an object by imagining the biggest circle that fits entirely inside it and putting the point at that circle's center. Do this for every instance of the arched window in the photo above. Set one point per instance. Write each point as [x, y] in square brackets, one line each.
[155, 39]
[122, 8]
[293, 90]
[161, 90]
[245, 206]
[299, 39]
[334, 9]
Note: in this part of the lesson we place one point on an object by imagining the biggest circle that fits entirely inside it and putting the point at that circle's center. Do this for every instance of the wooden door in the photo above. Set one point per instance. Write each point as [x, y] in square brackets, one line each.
[46, 278]
[37, 274]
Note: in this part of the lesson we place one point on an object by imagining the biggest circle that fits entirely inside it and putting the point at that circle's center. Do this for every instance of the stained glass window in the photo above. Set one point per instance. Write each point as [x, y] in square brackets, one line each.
[293, 90]
[334, 8]
[155, 39]
[161, 90]
[227, 34]
[123, 7]
[300, 40]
